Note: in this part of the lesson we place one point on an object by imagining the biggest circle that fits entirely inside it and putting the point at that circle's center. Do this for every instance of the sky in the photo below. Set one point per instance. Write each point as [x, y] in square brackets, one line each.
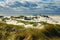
[29, 6]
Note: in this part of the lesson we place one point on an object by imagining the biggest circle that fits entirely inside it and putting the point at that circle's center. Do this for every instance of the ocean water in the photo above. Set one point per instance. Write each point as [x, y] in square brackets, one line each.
[9, 14]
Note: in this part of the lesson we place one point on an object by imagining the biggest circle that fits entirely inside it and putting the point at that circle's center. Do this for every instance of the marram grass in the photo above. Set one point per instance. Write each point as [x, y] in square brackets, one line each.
[13, 32]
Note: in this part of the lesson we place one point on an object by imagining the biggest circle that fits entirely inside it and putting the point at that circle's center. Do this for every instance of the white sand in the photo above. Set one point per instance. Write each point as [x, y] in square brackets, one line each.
[56, 18]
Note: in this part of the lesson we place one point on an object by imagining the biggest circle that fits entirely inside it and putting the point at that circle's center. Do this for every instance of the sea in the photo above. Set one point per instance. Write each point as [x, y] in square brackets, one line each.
[17, 14]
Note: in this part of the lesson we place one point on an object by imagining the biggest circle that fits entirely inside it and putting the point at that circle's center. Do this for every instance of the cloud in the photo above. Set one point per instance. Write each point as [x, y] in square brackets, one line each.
[25, 4]
[30, 6]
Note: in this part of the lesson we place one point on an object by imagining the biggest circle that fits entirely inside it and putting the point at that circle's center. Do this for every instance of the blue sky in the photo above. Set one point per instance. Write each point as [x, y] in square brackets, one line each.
[29, 6]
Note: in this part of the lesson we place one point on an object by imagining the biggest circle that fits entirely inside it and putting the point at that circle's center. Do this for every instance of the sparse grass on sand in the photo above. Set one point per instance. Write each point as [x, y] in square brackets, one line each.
[13, 32]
